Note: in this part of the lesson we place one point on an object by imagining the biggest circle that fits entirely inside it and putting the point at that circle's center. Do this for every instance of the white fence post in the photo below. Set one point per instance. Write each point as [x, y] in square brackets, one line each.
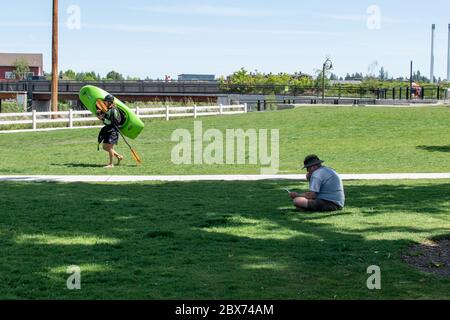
[70, 118]
[25, 102]
[34, 120]
[72, 115]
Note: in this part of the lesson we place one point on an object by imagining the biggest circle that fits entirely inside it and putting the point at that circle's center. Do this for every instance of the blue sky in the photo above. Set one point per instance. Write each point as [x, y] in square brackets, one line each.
[155, 38]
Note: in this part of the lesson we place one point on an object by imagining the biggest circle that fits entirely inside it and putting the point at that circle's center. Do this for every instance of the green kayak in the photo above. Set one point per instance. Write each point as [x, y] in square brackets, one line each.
[131, 127]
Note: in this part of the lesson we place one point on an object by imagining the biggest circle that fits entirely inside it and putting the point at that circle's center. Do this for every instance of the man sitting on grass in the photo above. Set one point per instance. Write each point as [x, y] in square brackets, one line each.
[326, 191]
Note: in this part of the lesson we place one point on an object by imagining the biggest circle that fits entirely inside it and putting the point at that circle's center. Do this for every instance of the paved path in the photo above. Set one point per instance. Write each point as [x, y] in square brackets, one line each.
[390, 176]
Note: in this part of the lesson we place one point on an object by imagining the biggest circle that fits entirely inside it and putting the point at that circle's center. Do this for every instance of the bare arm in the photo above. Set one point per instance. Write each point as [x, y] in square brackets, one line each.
[308, 195]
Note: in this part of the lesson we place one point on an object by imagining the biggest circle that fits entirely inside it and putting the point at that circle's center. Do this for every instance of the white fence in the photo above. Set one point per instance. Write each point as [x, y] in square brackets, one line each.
[72, 117]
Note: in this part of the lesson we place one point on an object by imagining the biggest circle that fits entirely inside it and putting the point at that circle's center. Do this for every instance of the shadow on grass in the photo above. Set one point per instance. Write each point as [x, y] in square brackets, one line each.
[209, 240]
[435, 148]
[84, 165]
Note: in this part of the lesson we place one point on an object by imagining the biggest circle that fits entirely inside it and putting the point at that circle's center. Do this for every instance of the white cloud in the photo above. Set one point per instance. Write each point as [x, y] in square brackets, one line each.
[395, 20]
[179, 30]
[25, 24]
[193, 30]
[360, 18]
[141, 28]
[342, 17]
[208, 10]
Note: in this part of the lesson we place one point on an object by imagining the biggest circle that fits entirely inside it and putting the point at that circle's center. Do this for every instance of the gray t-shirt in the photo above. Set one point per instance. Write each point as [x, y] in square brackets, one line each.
[327, 185]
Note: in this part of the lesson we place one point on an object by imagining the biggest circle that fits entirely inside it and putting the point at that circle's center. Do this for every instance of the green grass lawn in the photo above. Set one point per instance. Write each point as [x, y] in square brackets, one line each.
[350, 139]
[216, 240]
[227, 240]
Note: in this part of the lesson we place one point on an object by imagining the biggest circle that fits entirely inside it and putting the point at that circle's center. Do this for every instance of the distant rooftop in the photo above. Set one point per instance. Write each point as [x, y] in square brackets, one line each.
[345, 81]
[196, 77]
[33, 59]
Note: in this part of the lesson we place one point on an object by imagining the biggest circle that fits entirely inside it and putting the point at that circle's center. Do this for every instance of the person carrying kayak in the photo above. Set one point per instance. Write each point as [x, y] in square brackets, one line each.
[109, 134]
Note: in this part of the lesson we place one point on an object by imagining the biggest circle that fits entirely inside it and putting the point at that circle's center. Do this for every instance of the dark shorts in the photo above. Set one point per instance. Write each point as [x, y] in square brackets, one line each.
[320, 205]
[109, 135]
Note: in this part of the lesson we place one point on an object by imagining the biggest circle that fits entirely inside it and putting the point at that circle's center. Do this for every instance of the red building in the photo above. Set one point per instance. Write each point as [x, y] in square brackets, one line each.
[7, 61]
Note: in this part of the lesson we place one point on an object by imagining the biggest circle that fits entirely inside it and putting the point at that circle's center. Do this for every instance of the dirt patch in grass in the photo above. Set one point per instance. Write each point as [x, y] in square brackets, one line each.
[432, 256]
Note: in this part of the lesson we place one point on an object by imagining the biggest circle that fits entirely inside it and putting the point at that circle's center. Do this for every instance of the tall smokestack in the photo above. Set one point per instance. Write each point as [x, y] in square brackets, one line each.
[448, 56]
[433, 28]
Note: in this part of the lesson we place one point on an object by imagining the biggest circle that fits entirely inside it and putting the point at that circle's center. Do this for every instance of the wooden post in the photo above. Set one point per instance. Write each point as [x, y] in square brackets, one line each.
[245, 108]
[220, 108]
[70, 118]
[25, 103]
[55, 57]
[34, 120]
[167, 113]
[195, 111]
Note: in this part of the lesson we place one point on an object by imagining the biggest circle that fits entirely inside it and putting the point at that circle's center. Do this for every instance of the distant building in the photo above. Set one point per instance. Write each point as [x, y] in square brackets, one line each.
[7, 61]
[196, 77]
[355, 82]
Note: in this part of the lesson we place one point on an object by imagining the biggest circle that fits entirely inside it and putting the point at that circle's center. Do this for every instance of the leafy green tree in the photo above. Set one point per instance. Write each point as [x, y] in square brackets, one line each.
[67, 75]
[382, 75]
[257, 82]
[80, 76]
[70, 74]
[87, 76]
[239, 81]
[21, 68]
[319, 78]
[115, 76]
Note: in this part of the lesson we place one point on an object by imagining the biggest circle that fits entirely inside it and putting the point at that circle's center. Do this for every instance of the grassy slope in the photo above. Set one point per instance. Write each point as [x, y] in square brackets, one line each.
[352, 139]
[212, 240]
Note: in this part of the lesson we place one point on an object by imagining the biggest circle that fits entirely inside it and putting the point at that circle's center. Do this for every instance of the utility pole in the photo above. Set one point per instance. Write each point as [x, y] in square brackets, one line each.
[55, 75]
[448, 55]
[433, 28]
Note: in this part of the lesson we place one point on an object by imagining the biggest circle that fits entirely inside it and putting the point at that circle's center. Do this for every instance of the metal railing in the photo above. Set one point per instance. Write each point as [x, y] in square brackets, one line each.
[144, 87]
[340, 91]
[72, 117]
[122, 87]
